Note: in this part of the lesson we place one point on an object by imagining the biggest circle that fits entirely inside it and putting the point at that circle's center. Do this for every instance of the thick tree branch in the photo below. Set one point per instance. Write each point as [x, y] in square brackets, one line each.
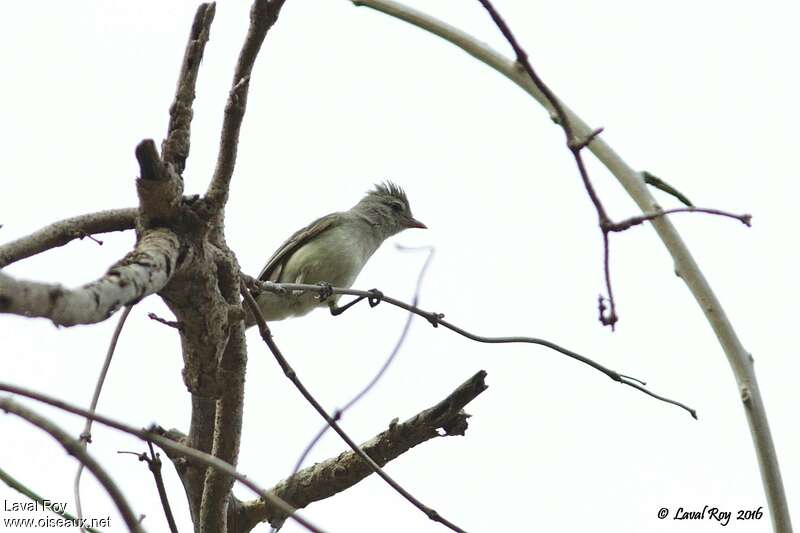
[739, 358]
[167, 441]
[263, 15]
[61, 232]
[339, 473]
[142, 272]
[75, 449]
[175, 147]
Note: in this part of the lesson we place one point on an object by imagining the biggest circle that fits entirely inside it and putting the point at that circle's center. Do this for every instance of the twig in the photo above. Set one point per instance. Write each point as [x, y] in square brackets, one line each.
[154, 435]
[329, 477]
[739, 358]
[636, 220]
[437, 319]
[75, 448]
[61, 232]
[154, 465]
[175, 147]
[575, 146]
[338, 413]
[266, 335]
[86, 434]
[25, 491]
[171, 323]
[263, 14]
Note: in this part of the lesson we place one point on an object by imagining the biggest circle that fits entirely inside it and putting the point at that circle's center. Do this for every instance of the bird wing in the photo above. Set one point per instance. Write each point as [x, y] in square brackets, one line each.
[272, 270]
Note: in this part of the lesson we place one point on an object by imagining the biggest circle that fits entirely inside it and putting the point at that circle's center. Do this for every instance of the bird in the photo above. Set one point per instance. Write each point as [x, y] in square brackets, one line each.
[331, 251]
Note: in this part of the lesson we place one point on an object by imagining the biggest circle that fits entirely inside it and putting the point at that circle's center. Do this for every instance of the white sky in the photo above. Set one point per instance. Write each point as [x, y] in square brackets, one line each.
[703, 94]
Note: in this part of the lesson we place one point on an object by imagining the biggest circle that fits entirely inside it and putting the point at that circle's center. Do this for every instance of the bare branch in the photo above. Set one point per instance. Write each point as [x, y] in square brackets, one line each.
[64, 231]
[142, 272]
[266, 335]
[338, 413]
[86, 434]
[632, 181]
[636, 220]
[75, 449]
[263, 15]
[9, 480]
[437, 319]
[157, 437]
[175, 147]
[339, 473]
[154, 465]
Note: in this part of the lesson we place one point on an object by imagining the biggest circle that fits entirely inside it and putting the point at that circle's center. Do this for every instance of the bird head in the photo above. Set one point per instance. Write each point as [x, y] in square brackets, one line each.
[386, 205]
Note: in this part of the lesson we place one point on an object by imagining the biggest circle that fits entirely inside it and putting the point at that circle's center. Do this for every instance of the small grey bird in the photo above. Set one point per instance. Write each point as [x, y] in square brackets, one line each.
[333, 249]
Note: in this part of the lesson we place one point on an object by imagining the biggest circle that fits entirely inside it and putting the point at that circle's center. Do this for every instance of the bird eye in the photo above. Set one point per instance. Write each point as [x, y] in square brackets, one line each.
[396, 206]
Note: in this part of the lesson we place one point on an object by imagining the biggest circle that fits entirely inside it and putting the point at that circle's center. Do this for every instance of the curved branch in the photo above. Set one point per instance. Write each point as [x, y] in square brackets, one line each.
[263, 14]
[155, 435]
[142, 272]
[75, 449]
[61, 232]
[740, 360]
[339, 473]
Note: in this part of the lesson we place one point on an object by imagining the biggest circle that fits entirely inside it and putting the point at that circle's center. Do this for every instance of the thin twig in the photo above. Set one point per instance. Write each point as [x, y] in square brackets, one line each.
[154, 435]
[339, 412]
[13, 483]
[437, 319]
[76, 449]
[86, 434]
[266, 335]
[575, 147]
[636, 220]
[154, 465]
[171, 323]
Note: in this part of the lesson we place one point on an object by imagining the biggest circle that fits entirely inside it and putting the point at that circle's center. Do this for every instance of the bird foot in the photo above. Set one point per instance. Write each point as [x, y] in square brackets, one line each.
[326, 290]
[375, 297]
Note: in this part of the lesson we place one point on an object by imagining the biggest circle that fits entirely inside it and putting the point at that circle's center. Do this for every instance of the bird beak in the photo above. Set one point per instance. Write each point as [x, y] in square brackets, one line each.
[411, 222]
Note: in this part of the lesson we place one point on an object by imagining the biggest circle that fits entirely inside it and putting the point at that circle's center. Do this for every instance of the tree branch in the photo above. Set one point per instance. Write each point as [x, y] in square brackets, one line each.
[263, 15]
[266, 336]
[339, 473]
[740, 360]
[437, 319]
[75, 449]
[175, 147]
[61, 232]
[142, 272]
[160, 438]
[86, 434]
